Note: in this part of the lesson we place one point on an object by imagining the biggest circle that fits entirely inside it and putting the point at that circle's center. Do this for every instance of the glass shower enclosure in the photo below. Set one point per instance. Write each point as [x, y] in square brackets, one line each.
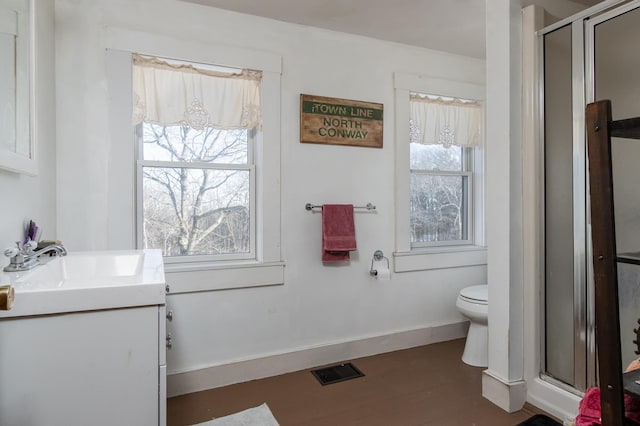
[590, 57]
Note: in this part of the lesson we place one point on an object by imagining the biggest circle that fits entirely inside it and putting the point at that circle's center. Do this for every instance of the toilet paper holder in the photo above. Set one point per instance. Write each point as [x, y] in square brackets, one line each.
[378, 255]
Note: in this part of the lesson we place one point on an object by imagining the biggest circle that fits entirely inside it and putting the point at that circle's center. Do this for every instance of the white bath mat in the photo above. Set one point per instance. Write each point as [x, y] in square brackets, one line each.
[258, 416]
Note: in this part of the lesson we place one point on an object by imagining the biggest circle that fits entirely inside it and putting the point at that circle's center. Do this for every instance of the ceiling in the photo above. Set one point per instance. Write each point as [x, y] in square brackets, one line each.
[455, 26]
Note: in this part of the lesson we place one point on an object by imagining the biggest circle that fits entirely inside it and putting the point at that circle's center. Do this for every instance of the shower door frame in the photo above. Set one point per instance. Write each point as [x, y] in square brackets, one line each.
[581, 330]
[583, 92]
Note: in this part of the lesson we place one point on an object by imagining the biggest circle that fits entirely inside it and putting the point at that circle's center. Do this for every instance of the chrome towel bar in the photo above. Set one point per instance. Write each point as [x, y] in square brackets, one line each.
[310, 206]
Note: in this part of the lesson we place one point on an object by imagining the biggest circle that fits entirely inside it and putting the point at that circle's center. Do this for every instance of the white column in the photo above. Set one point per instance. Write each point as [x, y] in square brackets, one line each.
[502, 382]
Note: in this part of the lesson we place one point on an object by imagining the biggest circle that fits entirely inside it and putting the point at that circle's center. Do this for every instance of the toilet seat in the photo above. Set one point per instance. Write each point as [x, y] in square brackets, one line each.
[478, 294]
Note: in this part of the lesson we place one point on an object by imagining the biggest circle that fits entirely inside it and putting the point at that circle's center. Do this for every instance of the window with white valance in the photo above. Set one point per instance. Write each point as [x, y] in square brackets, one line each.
[443, 131]
[237, 155]
[439, 211]
[197, 126]
[175, 93]
[436, 120]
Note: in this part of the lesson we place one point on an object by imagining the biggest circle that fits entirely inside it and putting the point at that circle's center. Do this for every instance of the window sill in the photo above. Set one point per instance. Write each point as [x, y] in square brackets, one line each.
[213, 276]
[439, 258]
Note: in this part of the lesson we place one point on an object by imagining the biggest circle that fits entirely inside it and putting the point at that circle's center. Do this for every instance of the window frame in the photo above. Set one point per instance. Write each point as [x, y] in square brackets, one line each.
[268, 267]
[435, 255]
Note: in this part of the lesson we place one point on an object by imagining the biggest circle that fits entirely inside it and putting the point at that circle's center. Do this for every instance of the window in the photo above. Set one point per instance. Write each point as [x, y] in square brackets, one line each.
[442, 134]
[196, 127]
[439, 172]
[249, 153]
[439, 210]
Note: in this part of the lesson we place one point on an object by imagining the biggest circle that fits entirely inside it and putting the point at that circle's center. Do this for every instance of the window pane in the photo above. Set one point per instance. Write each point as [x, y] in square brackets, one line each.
[435, 157]
[186, 144]
[438, 208]
[196, 211]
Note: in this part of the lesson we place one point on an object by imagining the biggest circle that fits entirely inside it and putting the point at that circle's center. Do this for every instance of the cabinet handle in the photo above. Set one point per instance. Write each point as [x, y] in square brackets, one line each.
[167, 288]
[170, 315]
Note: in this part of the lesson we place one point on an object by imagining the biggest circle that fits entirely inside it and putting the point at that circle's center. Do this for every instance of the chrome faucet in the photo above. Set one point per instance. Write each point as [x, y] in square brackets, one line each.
[23, 257]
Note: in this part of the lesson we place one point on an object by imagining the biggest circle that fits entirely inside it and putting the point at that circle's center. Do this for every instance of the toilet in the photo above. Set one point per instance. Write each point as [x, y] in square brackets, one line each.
[473, 304]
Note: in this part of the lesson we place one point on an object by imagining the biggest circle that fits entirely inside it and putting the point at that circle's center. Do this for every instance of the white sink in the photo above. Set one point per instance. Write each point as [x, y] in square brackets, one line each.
[78, 269]
[84, 281]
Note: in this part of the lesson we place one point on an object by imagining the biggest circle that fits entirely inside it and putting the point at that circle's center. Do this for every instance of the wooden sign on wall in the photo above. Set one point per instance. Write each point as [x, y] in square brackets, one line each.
[340, 121]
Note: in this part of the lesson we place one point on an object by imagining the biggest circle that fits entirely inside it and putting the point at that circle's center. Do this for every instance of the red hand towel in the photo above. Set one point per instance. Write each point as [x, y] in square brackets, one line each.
[338, 232]
[589, 411]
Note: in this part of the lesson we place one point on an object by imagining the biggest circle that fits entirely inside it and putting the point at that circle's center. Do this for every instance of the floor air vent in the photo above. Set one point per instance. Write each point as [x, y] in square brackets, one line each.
[336, 373]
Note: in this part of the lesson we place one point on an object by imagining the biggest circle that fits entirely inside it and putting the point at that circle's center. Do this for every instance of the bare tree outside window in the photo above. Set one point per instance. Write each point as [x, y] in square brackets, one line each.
[439, 193]
[196, 190]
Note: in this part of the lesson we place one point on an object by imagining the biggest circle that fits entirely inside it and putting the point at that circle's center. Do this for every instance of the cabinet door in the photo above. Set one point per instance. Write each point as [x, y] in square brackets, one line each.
[94, 368]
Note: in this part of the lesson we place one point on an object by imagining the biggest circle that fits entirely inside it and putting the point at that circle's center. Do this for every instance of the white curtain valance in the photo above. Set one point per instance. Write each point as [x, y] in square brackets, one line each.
[178, 94]
[438, 121]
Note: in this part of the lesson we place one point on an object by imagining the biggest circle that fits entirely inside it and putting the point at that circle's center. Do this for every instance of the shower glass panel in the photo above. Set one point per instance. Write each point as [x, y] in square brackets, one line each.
[616, 37]
[587, 58]
[559, 206]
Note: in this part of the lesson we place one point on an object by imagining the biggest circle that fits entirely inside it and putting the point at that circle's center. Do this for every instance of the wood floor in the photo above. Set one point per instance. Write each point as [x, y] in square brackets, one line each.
[427, 385]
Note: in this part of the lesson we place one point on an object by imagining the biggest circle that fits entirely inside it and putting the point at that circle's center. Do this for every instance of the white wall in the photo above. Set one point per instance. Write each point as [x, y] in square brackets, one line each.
[24, 197]
[556, 10]
[318, 305]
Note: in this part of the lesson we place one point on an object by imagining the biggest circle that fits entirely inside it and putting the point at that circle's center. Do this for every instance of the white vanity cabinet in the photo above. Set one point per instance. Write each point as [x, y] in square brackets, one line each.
[100, 366]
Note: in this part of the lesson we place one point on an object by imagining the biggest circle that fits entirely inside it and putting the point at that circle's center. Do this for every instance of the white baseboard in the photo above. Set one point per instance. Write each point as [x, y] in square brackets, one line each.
[287, 362]
[508, 395]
